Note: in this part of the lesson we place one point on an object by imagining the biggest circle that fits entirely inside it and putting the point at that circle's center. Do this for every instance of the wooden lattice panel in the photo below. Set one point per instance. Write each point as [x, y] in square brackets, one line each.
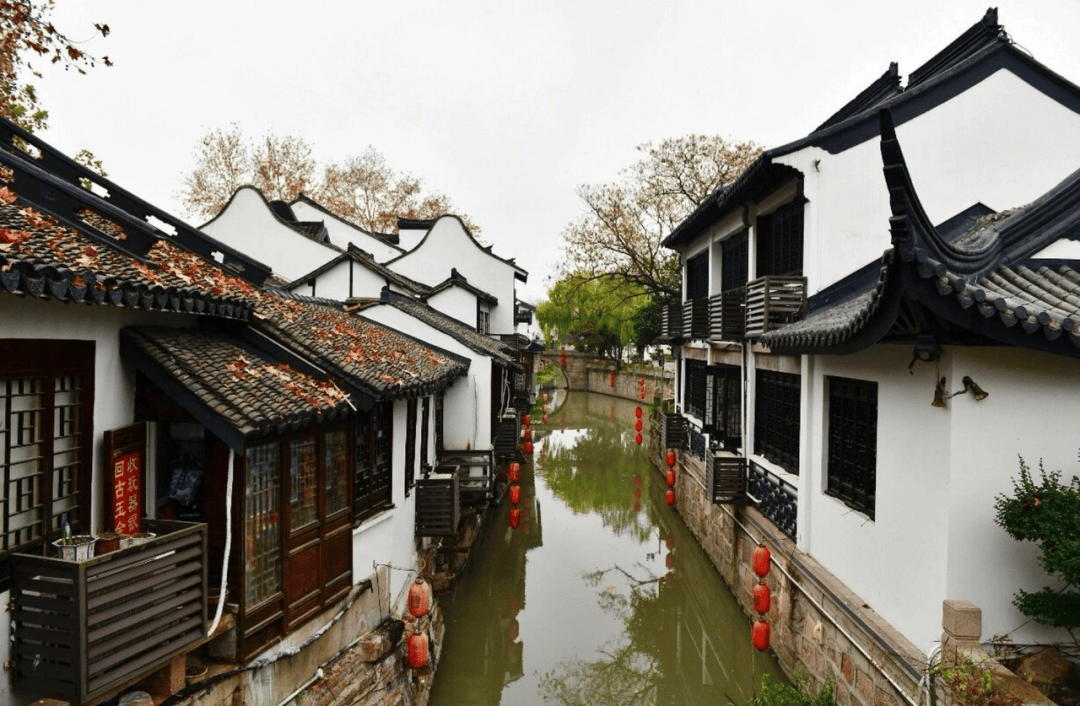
[725, 477]
[437, 504]
[772, 302]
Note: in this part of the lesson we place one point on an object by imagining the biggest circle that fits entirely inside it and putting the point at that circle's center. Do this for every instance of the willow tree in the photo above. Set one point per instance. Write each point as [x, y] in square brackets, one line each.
[618, 237]
[596, 315]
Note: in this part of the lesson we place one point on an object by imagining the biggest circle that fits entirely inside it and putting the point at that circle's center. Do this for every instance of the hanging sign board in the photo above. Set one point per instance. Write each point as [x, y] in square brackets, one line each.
[126, 450]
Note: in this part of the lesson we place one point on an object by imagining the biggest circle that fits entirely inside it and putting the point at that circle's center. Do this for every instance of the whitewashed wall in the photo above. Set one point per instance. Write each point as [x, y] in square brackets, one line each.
[335, 283]
[467, 403]
[248, 224]
[114, 388]
[457, 303]
[342, 232]
[447, 245]
[1001, 142]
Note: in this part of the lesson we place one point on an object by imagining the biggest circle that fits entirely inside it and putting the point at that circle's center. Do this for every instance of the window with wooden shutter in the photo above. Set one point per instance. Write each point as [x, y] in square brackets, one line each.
[852, 453]
[777, 418]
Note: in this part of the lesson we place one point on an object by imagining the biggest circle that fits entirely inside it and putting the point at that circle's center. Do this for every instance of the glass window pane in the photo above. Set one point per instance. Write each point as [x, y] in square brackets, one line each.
[337, 471]
[262, 555]
[302, 490]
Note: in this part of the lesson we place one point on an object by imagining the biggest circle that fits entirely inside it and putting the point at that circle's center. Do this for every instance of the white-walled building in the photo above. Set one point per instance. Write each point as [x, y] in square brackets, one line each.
[825, 303]
[382, 246]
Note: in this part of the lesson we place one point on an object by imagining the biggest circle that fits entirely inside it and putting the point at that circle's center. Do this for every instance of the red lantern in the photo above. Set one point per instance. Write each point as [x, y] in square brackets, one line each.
[419, 598]
[544, 419]
[545, 397]
[613, 377]
[669, 579]
[515, 518]
[526, 420]
[418, 650]
[528, 447]
[637, 479]
[761, 635]
[527, 434]
[637, 506]
[514, 630]
[671, 459]
[543, 408]
[637, 492]
[760, 560]
[637, 424]
[637, 412]
[515, 494]
[513, 605]
[669, 561]
[669, 541]
[562, 358]
[641, 381]
[670, 478]
[638, 438]
[762, 598]
[670, 497]
[515, 472]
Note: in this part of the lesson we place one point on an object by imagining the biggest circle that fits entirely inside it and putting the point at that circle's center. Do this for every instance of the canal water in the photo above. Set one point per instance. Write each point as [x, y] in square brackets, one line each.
[601, 595]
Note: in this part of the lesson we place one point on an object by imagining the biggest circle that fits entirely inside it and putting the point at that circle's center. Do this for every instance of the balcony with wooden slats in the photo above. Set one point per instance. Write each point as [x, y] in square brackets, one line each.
[85, 628]
[695, 319]
[725, 477]
[671, 323]
[727, 315]
[774, 301]
[673, 431]
[438, 502]
[476, 479]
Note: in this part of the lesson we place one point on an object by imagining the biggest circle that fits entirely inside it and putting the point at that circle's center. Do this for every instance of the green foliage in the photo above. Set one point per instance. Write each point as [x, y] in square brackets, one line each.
[597, 315]
[647, 321]
[1047, 512]
[775, 693]
[972, 684]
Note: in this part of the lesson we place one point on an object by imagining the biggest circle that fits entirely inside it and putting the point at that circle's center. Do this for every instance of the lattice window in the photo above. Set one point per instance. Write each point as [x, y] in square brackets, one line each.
[697, 443]
[425, 430]
[337, 471]
[776, 419]
[780, 241]
[723, 403]
[852, 455]
[303, 472]
[735, 261]
[372, 491]
[697, 277]
[46, 402]
[262, 528]
[695, 388]
[438, 422]
[410, 445]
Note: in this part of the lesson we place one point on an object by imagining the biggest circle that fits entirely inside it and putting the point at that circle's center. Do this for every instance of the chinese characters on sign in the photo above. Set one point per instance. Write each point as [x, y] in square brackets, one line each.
[127, 498]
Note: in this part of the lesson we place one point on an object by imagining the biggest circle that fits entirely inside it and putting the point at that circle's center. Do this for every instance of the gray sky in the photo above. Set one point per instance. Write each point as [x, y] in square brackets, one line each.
[506, 106]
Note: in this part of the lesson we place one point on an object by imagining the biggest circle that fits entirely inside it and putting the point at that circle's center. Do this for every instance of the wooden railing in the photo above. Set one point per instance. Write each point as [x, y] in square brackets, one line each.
[773, 301]
[476, 480]
[507, 433]
[673, 431]
[725, 477]
[695, 318]
[82, 628]
[727, 315]
[438, 504]
[671, 322]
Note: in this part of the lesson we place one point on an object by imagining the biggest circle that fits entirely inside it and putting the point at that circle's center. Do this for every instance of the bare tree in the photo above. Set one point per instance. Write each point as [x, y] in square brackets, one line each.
[222, 166]
[282, 167]
[618, 237]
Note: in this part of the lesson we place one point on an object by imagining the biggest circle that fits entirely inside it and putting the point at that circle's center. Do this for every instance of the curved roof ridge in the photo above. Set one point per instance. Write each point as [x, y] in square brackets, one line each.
[291, 225]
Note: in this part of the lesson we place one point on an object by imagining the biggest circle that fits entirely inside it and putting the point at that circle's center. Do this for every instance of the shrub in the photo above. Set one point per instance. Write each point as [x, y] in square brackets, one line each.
[775, 693]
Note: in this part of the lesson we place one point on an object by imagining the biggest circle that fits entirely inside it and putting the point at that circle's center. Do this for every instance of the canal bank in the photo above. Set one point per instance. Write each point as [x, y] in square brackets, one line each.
[600, 594]
[818, 626]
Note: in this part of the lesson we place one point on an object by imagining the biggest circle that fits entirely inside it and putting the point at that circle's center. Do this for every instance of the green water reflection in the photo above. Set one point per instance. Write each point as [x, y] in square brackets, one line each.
[606, 599]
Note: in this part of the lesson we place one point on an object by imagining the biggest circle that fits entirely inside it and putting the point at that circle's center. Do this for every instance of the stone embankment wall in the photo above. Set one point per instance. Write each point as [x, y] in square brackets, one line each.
[584, 372]
[818, 626]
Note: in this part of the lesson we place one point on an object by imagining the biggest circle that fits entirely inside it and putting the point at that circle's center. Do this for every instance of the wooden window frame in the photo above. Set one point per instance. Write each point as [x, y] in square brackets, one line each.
[694, 393]
[780, 241]
[49, 360]
[410, 445]
[735, 261]
[369, 465]
[697, 276]
[777, 418]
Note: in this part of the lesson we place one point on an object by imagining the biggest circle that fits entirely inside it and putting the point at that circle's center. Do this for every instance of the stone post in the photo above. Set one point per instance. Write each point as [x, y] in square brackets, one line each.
[961, 622]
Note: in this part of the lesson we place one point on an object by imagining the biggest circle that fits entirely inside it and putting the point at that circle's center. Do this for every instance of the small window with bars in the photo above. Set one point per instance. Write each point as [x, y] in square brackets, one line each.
[723, 404]
[372, 490]
[777, 418]
[780, 241]
[695, 388]
[852, 440]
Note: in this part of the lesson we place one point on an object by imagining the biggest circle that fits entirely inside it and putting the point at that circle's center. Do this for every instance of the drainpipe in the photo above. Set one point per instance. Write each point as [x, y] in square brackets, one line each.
[228, 546]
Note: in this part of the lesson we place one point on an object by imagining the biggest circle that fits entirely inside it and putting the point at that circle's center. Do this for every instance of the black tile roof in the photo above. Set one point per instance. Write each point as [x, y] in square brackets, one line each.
[519, 273]
[237, 390]
[979, 52]
[984, 281]
[456, 279]
[366, 259]
[283, 214]
[457, 330]
[388, 238]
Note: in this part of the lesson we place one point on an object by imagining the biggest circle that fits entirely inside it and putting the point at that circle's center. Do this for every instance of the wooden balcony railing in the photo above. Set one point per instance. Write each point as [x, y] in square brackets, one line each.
[507, 433]
[727, 315]
[476, 480]
[773, 301]
[438, 504]
[673, 431]
[83, 628]
[695, 319]
[671, 327]
[725, 477]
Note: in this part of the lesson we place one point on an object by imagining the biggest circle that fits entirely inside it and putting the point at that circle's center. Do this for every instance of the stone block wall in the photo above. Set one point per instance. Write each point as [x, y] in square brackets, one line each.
[818, 627]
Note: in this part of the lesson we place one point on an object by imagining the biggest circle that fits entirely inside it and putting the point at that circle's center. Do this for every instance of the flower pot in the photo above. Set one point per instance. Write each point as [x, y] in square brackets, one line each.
[77, 548]
[130, 540]
[106, 542]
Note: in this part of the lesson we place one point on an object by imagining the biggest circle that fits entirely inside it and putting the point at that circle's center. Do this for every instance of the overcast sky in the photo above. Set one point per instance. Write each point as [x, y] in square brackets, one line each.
[506, 106]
